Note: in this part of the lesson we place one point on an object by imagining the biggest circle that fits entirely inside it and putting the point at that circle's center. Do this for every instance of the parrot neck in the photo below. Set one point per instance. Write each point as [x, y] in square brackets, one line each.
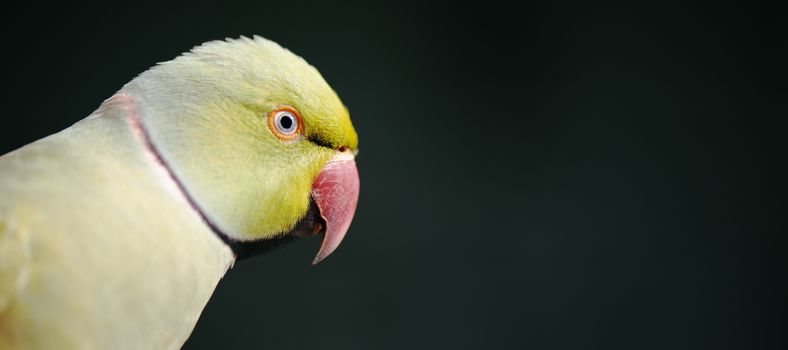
[241, 249]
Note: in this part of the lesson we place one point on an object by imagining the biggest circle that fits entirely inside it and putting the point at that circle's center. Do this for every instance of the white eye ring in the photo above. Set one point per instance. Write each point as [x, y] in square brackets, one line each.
[285, 122]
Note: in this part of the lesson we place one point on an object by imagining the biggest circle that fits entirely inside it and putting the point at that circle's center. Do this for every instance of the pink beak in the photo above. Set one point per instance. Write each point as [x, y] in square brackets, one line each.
[335, 192]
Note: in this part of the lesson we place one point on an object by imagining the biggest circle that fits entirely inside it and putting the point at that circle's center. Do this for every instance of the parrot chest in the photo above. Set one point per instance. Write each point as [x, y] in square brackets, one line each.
[109, 255]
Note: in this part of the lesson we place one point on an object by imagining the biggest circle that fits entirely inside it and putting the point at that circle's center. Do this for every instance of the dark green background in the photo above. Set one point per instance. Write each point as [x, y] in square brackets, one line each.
[570, 175]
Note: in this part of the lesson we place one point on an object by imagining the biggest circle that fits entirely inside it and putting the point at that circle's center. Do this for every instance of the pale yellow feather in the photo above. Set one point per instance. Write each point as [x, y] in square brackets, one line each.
[99, 249]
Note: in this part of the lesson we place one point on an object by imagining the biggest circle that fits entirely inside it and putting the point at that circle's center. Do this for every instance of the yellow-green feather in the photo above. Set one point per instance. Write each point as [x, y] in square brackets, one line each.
[100, 247]
[206, 113]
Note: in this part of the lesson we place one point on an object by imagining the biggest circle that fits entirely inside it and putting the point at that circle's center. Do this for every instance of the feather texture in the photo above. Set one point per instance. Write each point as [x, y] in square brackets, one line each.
[98, 250]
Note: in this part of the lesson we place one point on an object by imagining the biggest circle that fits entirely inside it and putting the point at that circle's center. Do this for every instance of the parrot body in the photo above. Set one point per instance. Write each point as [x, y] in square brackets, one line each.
[76, 219]
[115, 232]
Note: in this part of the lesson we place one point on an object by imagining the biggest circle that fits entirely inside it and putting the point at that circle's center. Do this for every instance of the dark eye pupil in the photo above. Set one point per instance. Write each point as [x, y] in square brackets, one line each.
[286, 122]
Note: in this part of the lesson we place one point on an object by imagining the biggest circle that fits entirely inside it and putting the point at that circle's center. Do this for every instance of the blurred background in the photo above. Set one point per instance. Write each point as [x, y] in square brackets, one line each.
[547, 176]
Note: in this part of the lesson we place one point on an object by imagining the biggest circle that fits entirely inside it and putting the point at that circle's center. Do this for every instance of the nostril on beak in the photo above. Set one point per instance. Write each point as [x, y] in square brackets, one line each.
[346, 149]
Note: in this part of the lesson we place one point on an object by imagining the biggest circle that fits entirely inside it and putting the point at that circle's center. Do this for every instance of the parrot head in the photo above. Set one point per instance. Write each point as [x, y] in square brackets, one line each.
[257, 141]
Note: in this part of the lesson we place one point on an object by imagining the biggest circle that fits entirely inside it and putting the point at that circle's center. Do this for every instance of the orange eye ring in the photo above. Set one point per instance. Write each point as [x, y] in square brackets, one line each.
[285, 123]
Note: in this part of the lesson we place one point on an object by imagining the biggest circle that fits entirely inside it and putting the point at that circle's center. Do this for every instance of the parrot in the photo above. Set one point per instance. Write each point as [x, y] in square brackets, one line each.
[115, 231]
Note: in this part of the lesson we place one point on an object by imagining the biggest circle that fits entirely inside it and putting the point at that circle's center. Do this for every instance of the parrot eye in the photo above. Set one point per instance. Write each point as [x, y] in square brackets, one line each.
[285, 122]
